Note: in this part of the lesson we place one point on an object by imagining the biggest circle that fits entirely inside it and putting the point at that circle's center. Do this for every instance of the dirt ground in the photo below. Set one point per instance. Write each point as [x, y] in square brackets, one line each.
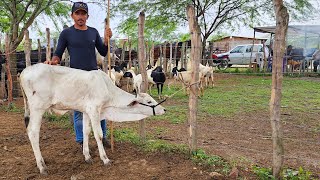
[244, 141]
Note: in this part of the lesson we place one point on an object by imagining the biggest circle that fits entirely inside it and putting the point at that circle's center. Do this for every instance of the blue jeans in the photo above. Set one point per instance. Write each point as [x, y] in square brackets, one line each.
[78, 126]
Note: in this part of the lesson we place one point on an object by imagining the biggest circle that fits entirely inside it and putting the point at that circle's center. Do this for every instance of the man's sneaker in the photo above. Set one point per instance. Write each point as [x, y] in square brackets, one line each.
[106, 143]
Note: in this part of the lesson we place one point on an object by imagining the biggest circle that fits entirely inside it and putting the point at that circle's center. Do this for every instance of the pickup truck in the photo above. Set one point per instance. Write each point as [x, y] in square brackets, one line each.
[240, 55]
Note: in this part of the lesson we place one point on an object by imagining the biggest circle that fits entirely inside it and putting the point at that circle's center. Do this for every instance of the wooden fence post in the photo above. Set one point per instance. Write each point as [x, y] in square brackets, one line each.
[165, 64]
[170, 59]
[39, 51]
[175, 54]
[130, 60]
[195, 60]
[282, 20]
[161, 55]
[3, 81]
[123, 51]
[152, 54]
[10, 83]
[27, 48]
[142, 65]
[48, 52]
[147, 52]
[182, 55]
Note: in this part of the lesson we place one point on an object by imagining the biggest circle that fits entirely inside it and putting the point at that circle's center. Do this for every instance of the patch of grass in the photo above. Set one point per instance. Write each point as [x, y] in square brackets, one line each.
[176, 114]
[263, 173]
[61, 120]
[287, 174]
[130, 135]
[159, 130]
[13, 108]
[216, 162]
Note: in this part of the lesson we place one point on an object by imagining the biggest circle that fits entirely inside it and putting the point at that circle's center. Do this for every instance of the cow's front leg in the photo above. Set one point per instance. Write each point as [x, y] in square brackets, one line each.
[97, 131]
[86, 132]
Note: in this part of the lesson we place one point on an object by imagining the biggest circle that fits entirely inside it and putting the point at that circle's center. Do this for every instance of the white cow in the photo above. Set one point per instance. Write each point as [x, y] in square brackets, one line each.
[58, 88]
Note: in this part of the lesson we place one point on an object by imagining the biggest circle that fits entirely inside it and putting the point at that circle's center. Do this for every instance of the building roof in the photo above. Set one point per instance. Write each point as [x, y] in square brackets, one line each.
[292, 29]
[227, 37]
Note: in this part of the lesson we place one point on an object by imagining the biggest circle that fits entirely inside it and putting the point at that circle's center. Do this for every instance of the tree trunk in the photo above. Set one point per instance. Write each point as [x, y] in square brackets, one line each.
[282, 19]
[142, 65]
[8, 64]
[195, 60]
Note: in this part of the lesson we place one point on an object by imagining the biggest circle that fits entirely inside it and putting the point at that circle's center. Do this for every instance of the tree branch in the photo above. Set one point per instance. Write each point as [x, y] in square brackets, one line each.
[25, 11]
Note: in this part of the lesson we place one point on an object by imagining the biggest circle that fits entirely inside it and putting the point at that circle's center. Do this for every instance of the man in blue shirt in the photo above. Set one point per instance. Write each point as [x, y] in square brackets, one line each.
[81, 41]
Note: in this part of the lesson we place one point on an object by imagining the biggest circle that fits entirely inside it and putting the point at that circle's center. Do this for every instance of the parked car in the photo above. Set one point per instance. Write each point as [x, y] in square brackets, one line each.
[240, 55]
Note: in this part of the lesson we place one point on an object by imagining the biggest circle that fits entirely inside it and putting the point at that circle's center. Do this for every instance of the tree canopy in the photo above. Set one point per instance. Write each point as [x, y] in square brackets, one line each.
[164, 17]
[19, 15]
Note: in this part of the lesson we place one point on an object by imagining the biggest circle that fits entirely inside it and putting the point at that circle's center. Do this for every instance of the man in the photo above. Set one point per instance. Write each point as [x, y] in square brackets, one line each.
[81, 41]
[316, 58]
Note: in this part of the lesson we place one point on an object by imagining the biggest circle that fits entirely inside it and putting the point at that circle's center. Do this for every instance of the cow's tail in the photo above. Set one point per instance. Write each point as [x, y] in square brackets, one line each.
[26, 107]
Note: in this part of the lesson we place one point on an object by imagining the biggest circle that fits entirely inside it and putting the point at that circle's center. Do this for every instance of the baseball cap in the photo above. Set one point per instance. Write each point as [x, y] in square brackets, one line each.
[79, 6]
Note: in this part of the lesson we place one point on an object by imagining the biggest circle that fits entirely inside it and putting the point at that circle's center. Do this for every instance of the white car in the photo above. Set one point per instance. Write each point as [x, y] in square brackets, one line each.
[240, 55]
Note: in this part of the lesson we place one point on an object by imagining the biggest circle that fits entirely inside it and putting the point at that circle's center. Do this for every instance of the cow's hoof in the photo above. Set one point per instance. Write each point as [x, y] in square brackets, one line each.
[107, 163]
[89, 161]
[44, 172]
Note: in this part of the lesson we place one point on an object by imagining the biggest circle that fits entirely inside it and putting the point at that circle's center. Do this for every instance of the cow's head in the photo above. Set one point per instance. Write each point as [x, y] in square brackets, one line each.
[147, 105]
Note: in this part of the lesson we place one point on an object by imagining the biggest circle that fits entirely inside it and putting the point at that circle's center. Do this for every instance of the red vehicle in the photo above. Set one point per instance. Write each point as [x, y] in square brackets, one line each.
[220, 60]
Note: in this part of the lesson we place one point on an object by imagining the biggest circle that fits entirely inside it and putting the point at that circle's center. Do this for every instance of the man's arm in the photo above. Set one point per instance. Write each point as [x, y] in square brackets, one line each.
[101, 47]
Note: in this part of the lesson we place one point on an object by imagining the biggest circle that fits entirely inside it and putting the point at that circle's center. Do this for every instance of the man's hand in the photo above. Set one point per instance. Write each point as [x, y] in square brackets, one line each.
[54, 61]
[107, 35]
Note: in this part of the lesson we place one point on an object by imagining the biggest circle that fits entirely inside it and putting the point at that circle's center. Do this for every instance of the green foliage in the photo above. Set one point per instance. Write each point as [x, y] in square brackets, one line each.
[130, 135]
[219, 164]
[263, 173]
[287, 174]
[301, 174]
[213, 16]
[61, 120]
[12, 108]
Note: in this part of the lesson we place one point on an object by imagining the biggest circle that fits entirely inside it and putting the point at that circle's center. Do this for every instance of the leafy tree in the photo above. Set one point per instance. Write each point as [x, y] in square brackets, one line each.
[213, 15]
[19, 15]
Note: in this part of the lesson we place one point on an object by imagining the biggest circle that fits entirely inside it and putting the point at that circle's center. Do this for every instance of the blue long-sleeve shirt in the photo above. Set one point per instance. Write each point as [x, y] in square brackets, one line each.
[81, 45]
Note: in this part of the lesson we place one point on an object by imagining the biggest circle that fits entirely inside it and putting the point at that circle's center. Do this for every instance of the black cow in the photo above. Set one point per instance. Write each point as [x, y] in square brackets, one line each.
[158, 77]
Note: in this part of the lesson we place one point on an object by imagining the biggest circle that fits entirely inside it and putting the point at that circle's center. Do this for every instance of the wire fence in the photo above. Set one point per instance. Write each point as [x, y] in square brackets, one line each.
[300, 143]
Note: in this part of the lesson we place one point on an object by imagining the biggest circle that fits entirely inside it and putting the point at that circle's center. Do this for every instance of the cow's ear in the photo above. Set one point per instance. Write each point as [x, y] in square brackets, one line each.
[134, 102]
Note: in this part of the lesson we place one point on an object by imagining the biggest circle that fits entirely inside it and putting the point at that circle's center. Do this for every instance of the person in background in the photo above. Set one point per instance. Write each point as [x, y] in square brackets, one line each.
[316, 58]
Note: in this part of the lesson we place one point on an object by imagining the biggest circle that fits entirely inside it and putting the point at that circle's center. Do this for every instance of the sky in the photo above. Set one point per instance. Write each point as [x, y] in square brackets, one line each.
[97, 14]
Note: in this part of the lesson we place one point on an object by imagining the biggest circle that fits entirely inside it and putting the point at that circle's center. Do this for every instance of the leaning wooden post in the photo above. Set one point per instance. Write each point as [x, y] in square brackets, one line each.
[39, 51]
[107, 42]
[175, 54]
[10, 83]
[130, 60]
[48, 52]
[123, 51]
[27, 48]
[3, 91]
[142, 64]
[152, 53]
[170, 59]
[195, 60]
[165, 64]
[282, 20]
